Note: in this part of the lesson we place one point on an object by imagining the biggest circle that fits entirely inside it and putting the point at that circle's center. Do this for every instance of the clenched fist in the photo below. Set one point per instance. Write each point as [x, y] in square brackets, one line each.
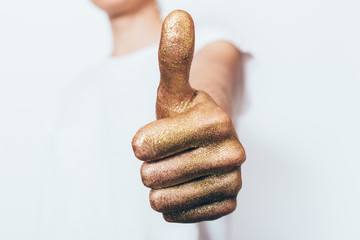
[191, 154]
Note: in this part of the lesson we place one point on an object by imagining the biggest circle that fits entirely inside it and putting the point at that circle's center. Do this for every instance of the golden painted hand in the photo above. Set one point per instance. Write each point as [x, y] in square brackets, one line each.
[191, 154]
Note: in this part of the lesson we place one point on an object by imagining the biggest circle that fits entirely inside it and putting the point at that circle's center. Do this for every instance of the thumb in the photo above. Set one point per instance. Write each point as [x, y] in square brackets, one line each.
[176, 52]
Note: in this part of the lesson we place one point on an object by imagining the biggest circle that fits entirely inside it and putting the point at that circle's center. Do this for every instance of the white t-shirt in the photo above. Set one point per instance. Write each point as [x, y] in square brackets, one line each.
[95, 190]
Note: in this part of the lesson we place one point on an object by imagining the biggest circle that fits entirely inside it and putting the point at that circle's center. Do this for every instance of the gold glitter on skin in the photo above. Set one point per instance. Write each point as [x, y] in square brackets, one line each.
[176, 52]
[202, 213]
[187, 195]
[195, 163]
[192, 154]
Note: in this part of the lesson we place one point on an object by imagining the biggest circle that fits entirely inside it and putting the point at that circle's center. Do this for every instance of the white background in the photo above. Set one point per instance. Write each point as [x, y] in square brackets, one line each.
[300, 123]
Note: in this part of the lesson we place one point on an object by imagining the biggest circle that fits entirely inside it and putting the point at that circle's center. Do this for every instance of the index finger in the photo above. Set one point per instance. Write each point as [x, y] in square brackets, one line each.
[175, 134]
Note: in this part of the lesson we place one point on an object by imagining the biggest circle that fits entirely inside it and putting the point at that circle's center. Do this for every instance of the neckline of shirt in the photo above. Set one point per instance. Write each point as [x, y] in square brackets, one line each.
[134, 55]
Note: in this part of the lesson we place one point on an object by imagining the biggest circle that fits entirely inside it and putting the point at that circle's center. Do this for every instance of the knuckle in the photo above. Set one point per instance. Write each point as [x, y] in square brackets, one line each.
[232, 205]
[235, 155]
[234, 183]
[222, 123]
[237, 182]
[168, 217]
[239, 153]
[224, 120]
[228, 206]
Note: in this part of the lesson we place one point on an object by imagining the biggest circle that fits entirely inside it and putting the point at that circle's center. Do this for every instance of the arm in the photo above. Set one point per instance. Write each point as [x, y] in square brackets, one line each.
[214, 70]
[191, 154]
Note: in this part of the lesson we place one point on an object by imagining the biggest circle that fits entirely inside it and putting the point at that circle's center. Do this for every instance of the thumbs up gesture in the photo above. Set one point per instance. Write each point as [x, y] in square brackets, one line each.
[191, 154]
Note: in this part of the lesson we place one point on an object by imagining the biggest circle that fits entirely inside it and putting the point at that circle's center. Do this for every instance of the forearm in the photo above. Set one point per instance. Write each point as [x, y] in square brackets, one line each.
[214, 70]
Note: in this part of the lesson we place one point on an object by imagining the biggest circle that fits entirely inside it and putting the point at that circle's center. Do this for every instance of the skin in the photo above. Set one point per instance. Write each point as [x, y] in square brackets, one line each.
[135, 24]
[192, 155]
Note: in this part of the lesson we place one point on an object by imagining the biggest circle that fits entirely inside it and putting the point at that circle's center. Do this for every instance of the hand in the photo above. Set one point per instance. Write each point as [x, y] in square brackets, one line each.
[191, 154]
